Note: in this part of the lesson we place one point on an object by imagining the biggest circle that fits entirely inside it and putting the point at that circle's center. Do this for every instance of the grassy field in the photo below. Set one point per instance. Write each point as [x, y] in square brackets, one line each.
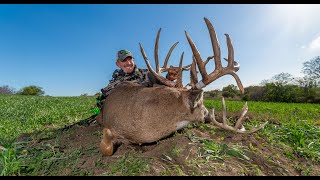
[26, 114]
[288, 145]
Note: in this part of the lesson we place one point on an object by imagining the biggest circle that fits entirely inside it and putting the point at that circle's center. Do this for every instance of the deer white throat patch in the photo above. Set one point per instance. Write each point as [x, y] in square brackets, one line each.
[182, 124]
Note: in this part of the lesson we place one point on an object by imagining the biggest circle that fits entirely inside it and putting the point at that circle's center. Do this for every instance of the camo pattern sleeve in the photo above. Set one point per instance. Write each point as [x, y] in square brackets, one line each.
[117, 78]
[141, 76]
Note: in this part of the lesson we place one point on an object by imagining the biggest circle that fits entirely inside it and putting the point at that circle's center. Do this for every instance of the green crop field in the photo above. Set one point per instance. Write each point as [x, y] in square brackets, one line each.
[26, 114]
[294, 128]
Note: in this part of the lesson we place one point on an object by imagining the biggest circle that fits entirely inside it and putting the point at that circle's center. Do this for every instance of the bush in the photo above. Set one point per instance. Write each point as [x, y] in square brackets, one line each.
[6, 90]
[31, 90]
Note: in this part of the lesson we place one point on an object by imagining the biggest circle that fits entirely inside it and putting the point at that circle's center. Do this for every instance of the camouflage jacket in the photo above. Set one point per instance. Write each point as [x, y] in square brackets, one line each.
[142, 76]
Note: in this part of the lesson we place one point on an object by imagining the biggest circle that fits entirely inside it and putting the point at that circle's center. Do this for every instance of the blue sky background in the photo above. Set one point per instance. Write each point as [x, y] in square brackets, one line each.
[70, 50]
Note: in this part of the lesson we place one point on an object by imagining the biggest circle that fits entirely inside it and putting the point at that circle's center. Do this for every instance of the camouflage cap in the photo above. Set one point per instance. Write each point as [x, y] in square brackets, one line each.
[123, 54]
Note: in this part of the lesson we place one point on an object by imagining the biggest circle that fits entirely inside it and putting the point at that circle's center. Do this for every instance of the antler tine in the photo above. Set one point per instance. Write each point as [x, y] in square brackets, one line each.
[198, 59]
[186, 68]
[159, 77]
[236, 65]
[232, 64]
[230, 52]
[224, 124]
[179, 76]
[236, 77]
[156, 56]
[193, 73]
[193, 70]
[224, 112]
[156, 48]
[215, 44]
[208, 59]
[164, 67]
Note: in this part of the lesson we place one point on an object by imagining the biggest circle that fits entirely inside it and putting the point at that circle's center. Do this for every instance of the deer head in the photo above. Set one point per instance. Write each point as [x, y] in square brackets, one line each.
[137, 114]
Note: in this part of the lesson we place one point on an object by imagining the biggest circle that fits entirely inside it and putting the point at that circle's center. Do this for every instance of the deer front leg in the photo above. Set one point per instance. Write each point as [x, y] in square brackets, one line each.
[106, 145]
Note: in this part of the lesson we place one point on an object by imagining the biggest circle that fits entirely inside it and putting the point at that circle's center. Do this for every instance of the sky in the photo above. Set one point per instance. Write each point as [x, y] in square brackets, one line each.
[70, 49]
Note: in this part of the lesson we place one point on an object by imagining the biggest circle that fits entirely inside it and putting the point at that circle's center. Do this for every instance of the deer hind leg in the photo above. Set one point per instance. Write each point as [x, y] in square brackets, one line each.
[106, 145]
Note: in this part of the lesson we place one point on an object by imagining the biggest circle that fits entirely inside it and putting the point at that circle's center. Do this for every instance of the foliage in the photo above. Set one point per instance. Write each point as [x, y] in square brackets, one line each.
[276, 92]
[213, 93]
[6, 90]
[284, 87]
[31, 90]
[253, 93]
[311, 69]
[230, 91]
[26, 114]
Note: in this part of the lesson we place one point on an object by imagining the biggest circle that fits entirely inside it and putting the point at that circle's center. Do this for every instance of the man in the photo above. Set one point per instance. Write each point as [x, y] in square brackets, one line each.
[128, 72]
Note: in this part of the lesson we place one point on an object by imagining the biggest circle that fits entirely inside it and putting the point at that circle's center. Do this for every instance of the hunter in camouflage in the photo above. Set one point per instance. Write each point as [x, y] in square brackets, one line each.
[128, 72]
[141, 76]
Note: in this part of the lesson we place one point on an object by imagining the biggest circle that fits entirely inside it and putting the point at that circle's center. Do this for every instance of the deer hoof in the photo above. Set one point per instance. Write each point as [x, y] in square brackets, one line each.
[106, 149]
[106, 145]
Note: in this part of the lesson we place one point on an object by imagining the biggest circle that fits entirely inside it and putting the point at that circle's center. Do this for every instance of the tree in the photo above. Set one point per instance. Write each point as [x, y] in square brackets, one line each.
[230, 91]
[6, 90]
[279, 79]
[282, 78]
[213, 93]
[31, 90]
[280, 88]
[253, 93]
[311, 69]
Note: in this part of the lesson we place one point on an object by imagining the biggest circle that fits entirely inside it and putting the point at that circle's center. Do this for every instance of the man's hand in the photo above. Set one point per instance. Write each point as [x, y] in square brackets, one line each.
[172, 73]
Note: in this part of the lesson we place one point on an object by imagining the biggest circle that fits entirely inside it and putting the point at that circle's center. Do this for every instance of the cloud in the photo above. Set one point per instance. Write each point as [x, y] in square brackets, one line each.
[315, 44]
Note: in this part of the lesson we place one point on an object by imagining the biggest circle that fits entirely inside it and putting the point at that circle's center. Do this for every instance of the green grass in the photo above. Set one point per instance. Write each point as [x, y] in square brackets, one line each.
[294, 128]
[129, 165]
[27, 114]
[270, 109]
[295, 125]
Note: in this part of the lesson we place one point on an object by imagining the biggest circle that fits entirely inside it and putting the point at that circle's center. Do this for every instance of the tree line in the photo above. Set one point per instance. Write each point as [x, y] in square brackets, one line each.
[27, 90]
[282, 87]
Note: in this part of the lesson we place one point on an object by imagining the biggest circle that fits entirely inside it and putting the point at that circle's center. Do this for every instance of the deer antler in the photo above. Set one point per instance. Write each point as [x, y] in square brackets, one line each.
[225, 125]
[219, 71]
[193, 72]
[164, 68]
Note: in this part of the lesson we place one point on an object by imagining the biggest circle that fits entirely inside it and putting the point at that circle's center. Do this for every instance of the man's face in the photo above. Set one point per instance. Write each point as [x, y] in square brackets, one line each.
[127, 65]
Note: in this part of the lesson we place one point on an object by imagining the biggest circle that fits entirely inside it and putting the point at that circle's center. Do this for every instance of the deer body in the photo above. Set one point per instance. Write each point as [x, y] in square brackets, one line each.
[139, 114]
[133, 113]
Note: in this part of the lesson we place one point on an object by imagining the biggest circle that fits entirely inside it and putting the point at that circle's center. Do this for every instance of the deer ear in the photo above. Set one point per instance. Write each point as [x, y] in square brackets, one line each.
[194, 98]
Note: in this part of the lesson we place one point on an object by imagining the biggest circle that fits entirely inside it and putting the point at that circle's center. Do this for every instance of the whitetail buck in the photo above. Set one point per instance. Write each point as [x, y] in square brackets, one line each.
[136, 114]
